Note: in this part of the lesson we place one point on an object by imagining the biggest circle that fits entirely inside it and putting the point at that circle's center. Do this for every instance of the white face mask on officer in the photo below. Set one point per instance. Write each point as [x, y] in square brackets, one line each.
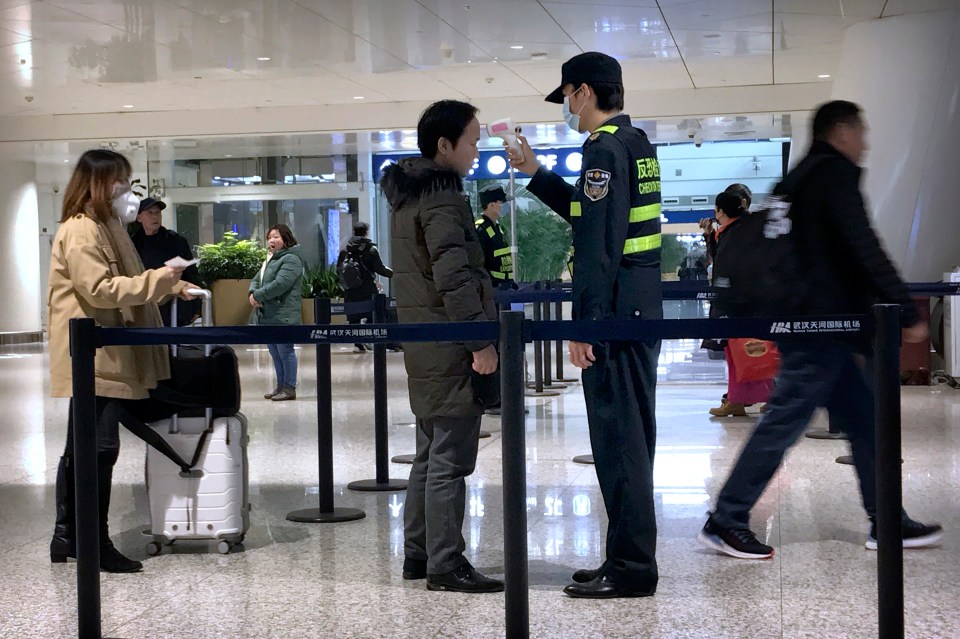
[572, 119]
[125, 204]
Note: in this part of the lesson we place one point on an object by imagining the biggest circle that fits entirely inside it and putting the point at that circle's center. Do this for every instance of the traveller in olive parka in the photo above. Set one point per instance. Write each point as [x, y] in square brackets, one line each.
[439, 277]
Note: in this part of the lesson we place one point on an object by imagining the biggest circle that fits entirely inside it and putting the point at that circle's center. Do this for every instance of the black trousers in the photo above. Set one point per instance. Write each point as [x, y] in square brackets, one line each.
[620, 390]
[110, 414]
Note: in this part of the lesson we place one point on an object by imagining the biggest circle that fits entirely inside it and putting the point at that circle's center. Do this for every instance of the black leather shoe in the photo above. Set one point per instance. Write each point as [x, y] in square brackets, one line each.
[414, 568]
[584, 575]
[464, 579]
[112, 561]
[603, 588]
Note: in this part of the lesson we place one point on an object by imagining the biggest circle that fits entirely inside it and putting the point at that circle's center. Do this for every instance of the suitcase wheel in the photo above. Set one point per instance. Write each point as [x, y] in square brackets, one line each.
[153, 548]
[224, 547]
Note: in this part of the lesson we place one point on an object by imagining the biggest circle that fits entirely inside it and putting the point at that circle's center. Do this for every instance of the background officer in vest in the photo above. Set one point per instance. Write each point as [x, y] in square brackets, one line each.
[496, 252]
[615, 212]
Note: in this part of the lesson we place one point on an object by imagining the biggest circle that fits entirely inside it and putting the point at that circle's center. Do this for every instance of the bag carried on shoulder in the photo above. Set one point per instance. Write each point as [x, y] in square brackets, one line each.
[352, 271]
[754, 360]
[762, 275]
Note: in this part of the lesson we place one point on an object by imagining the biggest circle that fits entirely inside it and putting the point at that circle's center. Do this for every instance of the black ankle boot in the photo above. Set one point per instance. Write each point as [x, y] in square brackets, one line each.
[64, 543]
[110, 558]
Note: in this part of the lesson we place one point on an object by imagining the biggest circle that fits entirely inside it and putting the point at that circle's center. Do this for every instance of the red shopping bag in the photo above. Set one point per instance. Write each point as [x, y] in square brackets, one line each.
[754, 359]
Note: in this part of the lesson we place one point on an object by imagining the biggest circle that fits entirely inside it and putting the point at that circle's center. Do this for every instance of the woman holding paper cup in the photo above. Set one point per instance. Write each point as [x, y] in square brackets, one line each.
[95, 272]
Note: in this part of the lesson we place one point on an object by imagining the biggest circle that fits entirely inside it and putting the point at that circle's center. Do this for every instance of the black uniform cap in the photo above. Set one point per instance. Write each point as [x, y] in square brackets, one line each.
[492, 194]
[590, 67]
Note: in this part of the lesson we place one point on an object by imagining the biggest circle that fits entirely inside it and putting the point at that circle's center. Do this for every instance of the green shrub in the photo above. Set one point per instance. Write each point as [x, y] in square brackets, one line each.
[543, 245]
[321, 281]
[231, 259]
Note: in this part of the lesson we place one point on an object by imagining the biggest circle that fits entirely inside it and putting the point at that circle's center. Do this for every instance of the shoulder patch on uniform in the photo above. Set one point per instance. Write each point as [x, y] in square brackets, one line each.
[596, 184]
[593, 136]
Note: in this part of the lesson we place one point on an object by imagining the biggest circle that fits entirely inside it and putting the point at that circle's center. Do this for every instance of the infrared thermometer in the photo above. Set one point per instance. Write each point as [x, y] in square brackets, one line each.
[506, 130]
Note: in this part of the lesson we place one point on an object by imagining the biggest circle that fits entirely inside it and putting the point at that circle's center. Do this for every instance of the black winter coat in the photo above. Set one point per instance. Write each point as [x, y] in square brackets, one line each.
[156, 249]
[366, 251]
[845, 267]
[438, 277]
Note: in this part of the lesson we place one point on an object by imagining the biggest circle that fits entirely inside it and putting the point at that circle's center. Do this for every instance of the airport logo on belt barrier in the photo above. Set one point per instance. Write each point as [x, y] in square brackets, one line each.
[829, 326]
[322, 334]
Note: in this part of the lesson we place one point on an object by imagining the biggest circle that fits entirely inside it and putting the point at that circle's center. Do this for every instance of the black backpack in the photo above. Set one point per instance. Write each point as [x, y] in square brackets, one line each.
[353, 272]
[758, 271]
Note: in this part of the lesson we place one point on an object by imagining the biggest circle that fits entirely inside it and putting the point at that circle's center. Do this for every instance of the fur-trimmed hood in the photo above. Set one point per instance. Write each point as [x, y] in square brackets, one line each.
[410, 178]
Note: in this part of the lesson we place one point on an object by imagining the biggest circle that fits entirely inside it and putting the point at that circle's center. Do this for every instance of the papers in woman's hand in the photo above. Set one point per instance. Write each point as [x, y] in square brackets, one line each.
[179, 262]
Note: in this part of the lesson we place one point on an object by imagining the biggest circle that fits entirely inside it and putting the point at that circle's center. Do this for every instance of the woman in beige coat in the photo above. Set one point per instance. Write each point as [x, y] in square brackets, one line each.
[95, 272]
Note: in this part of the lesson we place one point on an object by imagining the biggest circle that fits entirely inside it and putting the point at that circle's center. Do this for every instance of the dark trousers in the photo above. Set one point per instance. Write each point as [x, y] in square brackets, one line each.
[814, 373]
[437, 491]
[620, 391]
[107, 429]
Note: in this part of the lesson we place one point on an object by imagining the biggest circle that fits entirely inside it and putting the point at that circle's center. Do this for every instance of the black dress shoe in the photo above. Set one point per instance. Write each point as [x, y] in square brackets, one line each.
[584, 575]
[603, 588]
[464, 579]
[414, 568]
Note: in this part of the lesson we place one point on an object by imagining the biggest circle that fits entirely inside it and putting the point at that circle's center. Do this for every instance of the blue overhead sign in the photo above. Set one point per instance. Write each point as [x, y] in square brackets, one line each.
[564, 161]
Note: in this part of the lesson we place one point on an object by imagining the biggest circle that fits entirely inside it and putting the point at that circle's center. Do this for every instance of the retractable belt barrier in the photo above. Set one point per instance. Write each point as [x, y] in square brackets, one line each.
[512, 332]
[534, 292]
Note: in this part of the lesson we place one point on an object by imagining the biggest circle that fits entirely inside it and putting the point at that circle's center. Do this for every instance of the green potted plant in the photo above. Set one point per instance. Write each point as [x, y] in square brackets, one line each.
[320, 281]
[227, 267]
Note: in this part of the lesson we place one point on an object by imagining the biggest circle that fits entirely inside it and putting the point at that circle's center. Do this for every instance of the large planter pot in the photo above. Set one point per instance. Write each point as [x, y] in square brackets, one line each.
[307, 315]
[231, 306]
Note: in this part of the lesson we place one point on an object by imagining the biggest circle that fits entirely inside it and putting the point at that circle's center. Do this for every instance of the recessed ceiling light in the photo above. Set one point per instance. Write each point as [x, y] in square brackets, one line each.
[228, 155]
[469, 61]
[516, 46]
[540, 55]
[358, 97]
[824, 76]
[127, 106]
[66, 161]
[263, 58]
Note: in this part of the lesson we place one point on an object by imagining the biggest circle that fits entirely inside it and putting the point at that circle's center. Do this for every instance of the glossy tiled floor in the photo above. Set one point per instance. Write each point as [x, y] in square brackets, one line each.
[343, 580]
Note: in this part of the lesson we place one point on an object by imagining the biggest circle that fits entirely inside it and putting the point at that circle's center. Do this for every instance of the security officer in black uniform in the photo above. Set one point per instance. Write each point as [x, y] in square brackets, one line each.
[615, 212]
[496, 252]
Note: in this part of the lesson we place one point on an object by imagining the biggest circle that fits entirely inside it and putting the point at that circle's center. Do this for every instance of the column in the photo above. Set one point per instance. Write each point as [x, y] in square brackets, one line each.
[20, 285]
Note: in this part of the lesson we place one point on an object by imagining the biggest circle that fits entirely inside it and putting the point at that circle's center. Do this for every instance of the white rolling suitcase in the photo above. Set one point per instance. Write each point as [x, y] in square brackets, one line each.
[211, 502]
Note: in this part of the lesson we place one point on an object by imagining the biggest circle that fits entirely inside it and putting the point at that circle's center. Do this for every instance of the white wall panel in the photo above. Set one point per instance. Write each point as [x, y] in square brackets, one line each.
[902, 71]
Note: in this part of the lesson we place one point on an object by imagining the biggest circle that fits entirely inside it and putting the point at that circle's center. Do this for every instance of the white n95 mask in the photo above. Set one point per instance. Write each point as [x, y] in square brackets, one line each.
[126, 205]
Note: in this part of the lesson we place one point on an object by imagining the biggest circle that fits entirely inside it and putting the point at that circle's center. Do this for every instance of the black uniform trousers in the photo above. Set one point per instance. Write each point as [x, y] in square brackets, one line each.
[619, 390]
[620, 393]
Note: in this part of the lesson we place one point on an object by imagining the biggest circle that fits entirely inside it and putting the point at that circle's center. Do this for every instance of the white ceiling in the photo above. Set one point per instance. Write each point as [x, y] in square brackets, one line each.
[104, 56]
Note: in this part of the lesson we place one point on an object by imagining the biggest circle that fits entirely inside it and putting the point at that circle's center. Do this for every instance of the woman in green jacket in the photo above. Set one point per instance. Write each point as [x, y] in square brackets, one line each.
[275, 293]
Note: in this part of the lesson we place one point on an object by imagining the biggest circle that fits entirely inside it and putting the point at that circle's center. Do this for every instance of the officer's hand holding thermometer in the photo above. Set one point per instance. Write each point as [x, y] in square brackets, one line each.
[523, 158]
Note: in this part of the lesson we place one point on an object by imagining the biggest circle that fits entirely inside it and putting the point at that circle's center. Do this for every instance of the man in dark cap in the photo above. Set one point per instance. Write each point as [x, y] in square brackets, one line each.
[156, 244]
[615, 212]
[496, 252]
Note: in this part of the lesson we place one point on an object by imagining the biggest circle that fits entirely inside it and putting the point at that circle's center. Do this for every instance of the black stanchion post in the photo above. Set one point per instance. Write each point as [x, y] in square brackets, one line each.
[83, 350]
[889, 481]
[513, 438]
[558, 313]
[548, 380]
[382, 483]
[537, 352]
[537, 386]
[328, 512]
[547, 364]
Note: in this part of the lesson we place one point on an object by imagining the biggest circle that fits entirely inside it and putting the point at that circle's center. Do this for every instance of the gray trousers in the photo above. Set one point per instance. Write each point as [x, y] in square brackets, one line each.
[437, 492]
